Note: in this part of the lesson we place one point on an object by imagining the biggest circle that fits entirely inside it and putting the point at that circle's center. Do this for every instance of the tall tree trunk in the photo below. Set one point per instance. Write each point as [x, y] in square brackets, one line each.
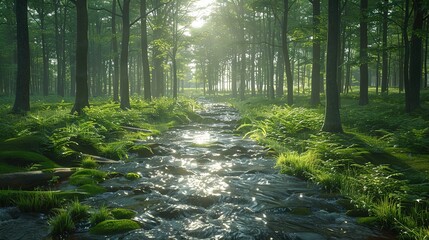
[385, 68]
[425, 84]
[22, 93]
[45, 51]
[115, 55]
[412, 100]
[280, 75]
[124, 83]
[286, 53]
[332, 121]
[234, 75]
[363, 86]
[81, 99]
[145, 55]
[315, 72]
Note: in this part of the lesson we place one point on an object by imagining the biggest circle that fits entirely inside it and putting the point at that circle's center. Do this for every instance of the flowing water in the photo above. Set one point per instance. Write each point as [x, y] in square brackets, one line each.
[207, 183]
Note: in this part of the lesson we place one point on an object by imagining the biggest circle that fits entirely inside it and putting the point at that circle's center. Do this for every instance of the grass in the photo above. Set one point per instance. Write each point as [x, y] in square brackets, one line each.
[102, 214]
[379, 163]
[37, 202]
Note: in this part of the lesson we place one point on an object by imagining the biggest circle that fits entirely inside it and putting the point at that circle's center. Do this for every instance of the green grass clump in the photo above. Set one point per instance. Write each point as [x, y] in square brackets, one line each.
[37, 201]
[78, 211]
[122, 213]
[301, 165]
[110, 227]
[61, 224]
[89, 162]
[100, 215]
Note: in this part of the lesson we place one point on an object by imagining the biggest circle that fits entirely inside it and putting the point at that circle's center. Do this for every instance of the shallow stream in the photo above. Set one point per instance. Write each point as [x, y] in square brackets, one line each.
[207, 183]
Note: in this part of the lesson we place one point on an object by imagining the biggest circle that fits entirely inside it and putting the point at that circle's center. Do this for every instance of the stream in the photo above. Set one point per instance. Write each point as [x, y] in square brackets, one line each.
[207, 183]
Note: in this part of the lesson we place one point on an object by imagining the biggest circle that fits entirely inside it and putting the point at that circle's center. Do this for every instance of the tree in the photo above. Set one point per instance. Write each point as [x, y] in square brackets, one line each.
[315, 74]
[412, 92]
[285, 47]
[22, 93]
[332, 121]
[81, 98]
[384, 71]
[124, 83]
[363, 93]
[145, 57]
[115, 55]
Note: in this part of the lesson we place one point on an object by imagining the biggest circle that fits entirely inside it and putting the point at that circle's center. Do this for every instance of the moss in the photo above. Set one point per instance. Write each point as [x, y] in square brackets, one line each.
[87, 176]
[370, 221]
[122, 213]
[132, 176]
[92, 189]
[110, 227]
[34, 143]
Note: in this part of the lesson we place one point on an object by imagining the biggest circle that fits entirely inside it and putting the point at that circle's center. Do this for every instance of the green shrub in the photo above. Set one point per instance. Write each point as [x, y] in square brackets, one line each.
[61, 224]
[100, 215]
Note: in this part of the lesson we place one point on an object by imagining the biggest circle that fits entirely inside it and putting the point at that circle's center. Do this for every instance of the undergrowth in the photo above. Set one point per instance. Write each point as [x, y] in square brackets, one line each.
[370, 163]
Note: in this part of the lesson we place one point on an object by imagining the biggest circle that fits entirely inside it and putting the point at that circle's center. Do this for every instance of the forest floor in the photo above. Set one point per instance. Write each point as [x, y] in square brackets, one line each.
[380, 162]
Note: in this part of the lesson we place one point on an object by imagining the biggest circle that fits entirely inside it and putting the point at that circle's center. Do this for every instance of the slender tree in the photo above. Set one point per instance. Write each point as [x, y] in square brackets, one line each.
[82, 98]
[332, 121]
[315, 74]
[363, 94]
[145, 55]
[22, 93]
[115, 55]
[289, 81]
[385, 66]
[124, 82]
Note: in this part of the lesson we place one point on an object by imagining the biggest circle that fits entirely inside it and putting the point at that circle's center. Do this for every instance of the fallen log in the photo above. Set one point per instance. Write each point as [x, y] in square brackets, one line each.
[32, 179]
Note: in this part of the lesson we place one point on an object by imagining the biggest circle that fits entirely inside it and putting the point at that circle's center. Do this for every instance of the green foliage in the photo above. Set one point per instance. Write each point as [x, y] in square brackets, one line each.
[78, 211]
[301, 165]
[87, 176]
[37, 201]
[102, 214]
[25, 159]
[110, 227]
[89, 162]
[61, 224]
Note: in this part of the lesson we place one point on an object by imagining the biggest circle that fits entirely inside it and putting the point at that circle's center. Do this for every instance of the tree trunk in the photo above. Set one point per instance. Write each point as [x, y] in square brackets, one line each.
[124, 83]
[412, 100]
[286, 53]
[363, 86]
[22, 93]
[332, 121]
[81, 99]
[145, 55]
[115, 55]
[315, 72]
[45, 51]
[384, 71]
[406, 48]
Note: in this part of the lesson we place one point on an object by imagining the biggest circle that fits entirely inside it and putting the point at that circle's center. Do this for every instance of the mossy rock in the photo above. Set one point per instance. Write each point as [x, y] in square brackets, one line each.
[142, 150]
[132, 176]
[87, 176]
[110, 227]
[92, 189]
[24, 159]
[122, 213]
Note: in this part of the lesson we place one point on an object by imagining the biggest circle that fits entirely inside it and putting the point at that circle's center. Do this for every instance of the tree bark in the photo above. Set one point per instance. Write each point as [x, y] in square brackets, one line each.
[81, 99]
[363, 94]
[115, 81]
[315, 72]
[384, 71]
[124, 82]
[412, 100]
[332, 121]
[22, 93]
[289, 81]
[145, 55]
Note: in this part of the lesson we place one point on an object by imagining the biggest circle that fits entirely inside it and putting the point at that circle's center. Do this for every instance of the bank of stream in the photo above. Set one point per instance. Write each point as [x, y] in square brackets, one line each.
[204, 182]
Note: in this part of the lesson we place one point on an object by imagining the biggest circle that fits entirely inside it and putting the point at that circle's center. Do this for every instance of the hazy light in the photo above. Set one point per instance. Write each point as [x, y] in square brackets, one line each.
[201, 9]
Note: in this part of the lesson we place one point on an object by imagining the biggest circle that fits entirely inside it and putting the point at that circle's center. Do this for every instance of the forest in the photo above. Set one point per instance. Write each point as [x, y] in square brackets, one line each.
[214, 119]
